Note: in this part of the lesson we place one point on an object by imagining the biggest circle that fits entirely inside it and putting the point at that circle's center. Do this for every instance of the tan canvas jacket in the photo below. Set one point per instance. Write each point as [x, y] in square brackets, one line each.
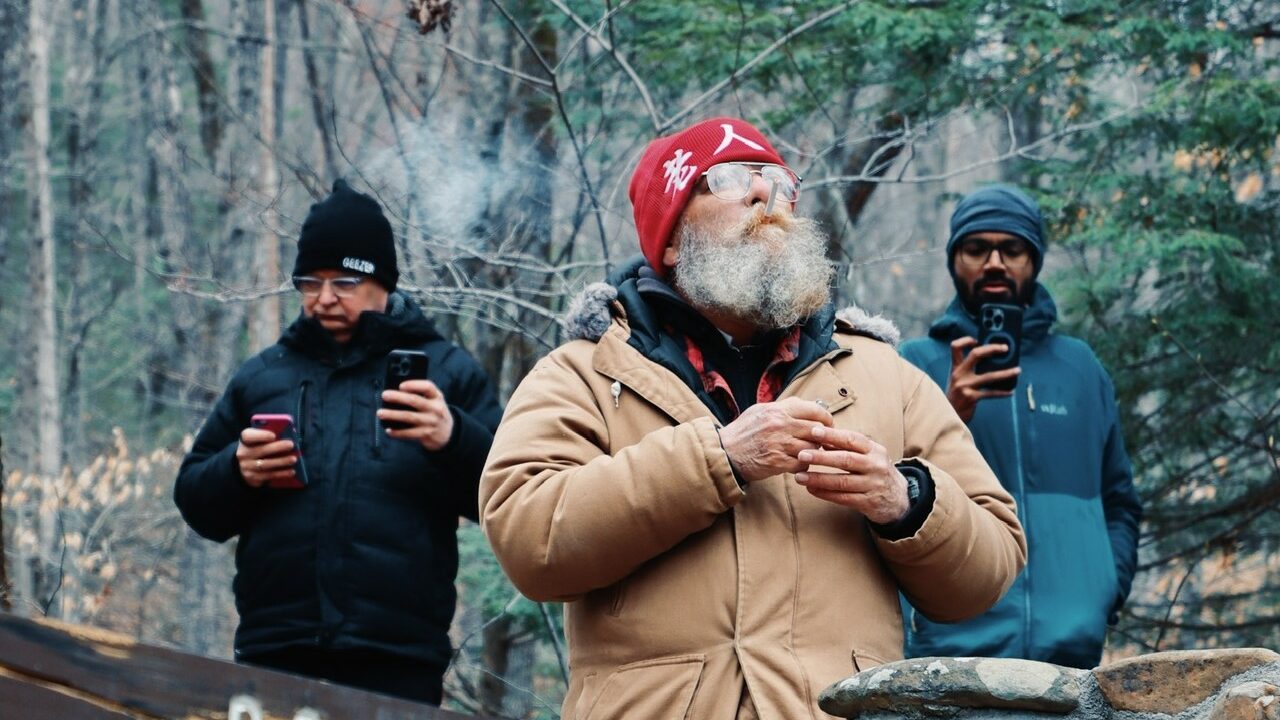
[607, 489]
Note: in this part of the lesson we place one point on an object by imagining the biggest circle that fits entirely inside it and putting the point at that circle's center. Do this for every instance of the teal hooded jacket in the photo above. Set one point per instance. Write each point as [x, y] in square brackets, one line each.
[1056, 446]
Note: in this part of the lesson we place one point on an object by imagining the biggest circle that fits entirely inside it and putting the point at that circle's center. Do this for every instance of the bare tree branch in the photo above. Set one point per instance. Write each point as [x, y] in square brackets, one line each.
[759, 58]
[594, 33]
[1024, 152]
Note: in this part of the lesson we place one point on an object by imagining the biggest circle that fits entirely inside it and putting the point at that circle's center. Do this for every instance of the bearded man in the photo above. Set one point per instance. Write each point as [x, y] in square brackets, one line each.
[1052, 435]
[727, 483]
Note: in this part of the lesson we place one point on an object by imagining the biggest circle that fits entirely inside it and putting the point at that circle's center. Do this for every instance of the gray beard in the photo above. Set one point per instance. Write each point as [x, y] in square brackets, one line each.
[771, 275]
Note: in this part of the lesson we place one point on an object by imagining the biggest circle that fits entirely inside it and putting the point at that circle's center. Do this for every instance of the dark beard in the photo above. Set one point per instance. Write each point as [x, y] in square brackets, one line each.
[973, 299]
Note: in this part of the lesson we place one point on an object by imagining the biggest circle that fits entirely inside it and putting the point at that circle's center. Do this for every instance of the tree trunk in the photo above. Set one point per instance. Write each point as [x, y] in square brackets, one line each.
[321, 109]
[12, 46]
[532, 122]
[206, 77]
[534, 117]
[264, 315]
[87, 301]
[5, 603]
[494, 655]
[44, 267]
[44, 300]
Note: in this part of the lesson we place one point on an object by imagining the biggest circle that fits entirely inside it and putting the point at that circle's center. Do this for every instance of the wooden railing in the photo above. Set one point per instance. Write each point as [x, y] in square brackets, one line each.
[56, 671]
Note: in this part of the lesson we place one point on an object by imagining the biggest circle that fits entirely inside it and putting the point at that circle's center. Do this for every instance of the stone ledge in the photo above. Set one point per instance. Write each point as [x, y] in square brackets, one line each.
[927, 687]
[1236, 684]
[1248, 701]
[1170, 682]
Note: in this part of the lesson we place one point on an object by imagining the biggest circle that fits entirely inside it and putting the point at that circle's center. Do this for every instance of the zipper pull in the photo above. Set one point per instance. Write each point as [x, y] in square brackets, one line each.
[1031, 397]
[616, 390]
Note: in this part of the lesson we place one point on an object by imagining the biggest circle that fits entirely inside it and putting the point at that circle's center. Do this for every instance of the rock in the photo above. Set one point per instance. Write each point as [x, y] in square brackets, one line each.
[935, 687]
[1170, 682]
[1248, 701]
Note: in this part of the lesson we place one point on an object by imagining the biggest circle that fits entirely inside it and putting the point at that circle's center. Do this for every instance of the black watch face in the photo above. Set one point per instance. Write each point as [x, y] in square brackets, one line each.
[913, 487]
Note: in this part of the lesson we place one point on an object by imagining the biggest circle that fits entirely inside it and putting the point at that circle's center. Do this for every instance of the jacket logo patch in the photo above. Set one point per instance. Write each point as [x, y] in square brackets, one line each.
[361, 266]
[1054, 409]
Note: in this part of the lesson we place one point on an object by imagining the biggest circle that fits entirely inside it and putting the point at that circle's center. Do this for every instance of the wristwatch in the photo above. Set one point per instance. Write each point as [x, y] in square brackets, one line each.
[912, 476]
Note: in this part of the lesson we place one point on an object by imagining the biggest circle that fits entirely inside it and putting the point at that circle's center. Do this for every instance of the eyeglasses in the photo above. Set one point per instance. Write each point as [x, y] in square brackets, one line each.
[732, 180]
[342, 286]
[1015, 254]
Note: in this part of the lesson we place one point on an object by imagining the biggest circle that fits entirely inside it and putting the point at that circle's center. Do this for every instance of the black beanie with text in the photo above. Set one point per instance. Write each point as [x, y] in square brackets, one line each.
[347, 231]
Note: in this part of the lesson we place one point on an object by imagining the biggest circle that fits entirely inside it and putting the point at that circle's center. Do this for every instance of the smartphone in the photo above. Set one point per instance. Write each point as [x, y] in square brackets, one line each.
[402, 365]
[282, 426]
[1002, 325]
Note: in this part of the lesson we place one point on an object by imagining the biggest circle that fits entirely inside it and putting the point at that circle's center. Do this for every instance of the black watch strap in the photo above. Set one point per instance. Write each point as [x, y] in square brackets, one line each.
[919, 506]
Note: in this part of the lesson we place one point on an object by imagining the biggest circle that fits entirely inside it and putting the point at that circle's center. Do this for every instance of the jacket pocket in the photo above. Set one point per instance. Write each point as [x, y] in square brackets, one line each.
[660, 689]
[863, 661]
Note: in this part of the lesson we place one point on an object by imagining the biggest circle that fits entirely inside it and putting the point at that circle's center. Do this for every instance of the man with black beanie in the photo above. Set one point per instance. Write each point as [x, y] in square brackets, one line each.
[346, 503]
[1053, 440]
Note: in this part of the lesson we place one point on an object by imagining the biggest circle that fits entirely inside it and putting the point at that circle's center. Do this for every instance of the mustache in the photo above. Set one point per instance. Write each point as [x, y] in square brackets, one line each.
[757, 219]
[994, 282]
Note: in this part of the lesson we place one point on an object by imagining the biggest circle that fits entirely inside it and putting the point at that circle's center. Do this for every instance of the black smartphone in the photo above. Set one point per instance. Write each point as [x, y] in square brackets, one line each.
[402, 365]
[1000, 324]
[282, 426]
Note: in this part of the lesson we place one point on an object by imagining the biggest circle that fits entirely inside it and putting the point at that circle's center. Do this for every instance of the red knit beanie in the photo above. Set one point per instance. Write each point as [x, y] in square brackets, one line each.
[671, 166]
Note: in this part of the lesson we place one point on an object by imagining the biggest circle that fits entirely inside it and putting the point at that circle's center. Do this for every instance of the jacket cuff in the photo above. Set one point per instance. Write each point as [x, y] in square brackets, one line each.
[736, 475]
[910, 523]
[466, 430]
[729, 487]
[230, 477]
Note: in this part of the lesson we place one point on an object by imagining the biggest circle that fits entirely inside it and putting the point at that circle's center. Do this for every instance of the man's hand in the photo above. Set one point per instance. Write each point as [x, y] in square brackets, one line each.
[868, 481]
[765, 440]
[965, 387]
[261, 458]
[427, 415]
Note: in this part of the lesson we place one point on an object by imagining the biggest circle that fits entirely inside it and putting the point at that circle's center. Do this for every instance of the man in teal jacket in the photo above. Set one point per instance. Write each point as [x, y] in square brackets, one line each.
[1054, 441]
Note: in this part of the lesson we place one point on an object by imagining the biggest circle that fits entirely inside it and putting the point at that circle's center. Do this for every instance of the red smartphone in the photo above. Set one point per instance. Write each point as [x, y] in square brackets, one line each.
[282, 426]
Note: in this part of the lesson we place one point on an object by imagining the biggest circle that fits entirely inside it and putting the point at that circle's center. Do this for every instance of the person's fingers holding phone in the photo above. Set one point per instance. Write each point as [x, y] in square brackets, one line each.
[859, 474]
[261, 458]
[966, 386]
[420, 413]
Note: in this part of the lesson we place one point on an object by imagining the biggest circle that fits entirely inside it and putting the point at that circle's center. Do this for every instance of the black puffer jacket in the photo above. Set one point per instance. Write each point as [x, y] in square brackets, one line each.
[365, 556]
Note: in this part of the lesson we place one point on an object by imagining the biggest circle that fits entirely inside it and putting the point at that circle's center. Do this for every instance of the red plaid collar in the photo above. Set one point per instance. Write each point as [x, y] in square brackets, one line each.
[770, 384]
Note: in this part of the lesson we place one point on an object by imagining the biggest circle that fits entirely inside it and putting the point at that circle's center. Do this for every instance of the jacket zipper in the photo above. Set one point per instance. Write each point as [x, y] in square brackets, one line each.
[300, 415]
[300, 433]
[377, 422]
[1026, 530]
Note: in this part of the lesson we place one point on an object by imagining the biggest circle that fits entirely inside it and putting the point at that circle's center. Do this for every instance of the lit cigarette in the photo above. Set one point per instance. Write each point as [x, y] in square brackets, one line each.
[773, 194]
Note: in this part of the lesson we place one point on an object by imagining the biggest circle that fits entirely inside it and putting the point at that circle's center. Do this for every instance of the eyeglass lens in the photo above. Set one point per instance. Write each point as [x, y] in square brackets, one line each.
[732, 181]
[977, 252]
[342, 286]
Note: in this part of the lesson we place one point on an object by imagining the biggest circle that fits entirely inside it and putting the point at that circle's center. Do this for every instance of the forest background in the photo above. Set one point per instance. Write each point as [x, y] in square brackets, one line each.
[159, 155]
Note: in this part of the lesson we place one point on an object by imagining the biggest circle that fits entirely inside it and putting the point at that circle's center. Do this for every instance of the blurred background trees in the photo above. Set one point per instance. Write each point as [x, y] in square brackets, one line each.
[159, 155]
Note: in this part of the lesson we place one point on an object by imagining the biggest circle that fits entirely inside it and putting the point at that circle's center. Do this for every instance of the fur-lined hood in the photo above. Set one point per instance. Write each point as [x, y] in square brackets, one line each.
[591, 312]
